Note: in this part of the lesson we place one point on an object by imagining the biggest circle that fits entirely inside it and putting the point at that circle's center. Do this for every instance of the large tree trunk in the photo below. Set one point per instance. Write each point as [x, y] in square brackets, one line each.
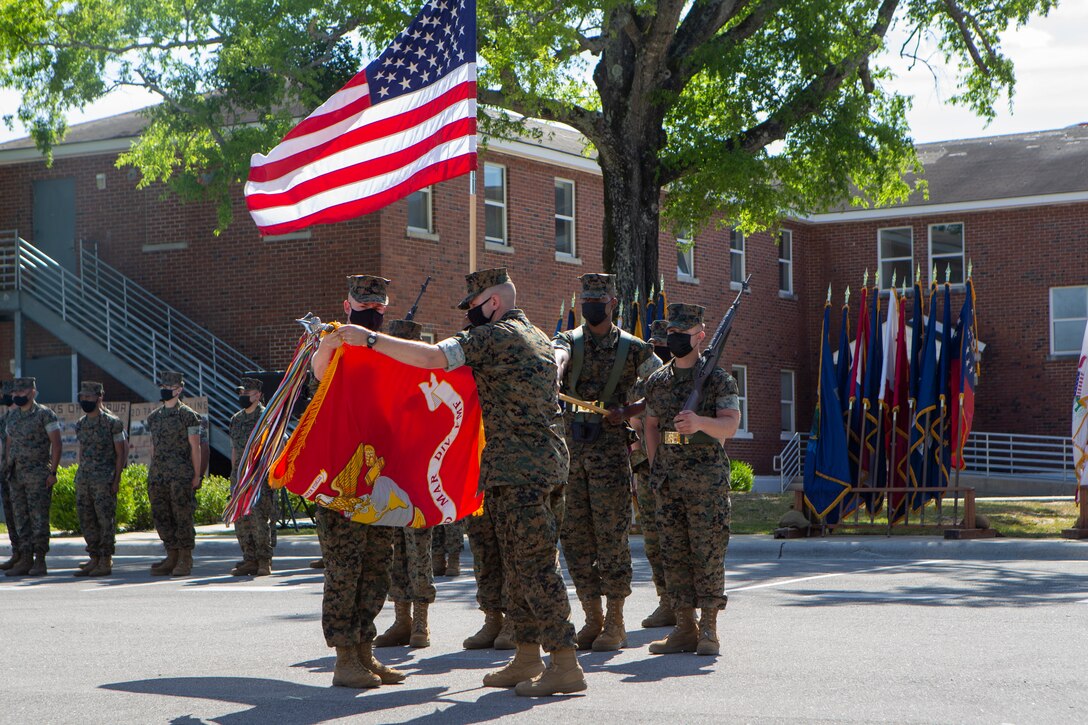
[631, 201]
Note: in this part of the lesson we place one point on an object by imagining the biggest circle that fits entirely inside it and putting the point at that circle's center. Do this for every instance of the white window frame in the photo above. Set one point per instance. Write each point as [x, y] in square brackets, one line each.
[788, 433]
[962, 255]
[742, 253]
[572, 220]
[886, 279]
[784, 262]
[1054, 320]
[742, 429]
[504, 241]
[686, 237]
[428, 195]
[428, 337]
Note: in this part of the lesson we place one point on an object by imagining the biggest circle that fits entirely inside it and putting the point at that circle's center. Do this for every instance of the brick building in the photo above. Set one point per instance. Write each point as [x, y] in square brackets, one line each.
[1017, 206]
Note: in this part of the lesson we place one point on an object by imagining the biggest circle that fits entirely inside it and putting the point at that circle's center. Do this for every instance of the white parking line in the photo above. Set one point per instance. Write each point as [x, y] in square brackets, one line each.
[787, 582]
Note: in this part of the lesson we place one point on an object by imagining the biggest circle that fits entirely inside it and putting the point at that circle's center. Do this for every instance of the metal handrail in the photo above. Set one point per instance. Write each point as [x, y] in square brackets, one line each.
[129, 324]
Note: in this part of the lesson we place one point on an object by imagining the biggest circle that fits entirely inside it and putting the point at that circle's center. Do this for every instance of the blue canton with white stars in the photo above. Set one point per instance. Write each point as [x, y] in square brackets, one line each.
[440, 39]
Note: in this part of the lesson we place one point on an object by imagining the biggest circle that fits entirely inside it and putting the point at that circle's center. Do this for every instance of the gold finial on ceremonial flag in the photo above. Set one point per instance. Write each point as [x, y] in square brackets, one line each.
[948, 274]
[829, 294]
[933, 278]
[847, 301]
[876, 279]
[970, 267]
[865, 279]
[893, 277]
[917, 275]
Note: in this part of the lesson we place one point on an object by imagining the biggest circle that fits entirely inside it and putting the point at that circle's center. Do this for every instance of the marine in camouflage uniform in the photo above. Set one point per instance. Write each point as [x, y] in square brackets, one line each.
[523, 468]
[483, 541]
[5, 484]
[663, 615]
[447, 542]
[103, 452]
[412, 576]
[690, 478]
[172, 478]
[254, 530]
[33, 435]
[598, 493]
[356, 557]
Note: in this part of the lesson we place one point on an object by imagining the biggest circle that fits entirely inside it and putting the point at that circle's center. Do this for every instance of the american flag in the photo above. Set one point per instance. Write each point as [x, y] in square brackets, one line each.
[406, 121]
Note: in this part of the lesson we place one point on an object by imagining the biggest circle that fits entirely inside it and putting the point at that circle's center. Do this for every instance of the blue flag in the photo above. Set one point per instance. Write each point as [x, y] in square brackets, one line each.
[827, 466]
[842, 370]
[940, 431]
[873, 458]
[925, 409]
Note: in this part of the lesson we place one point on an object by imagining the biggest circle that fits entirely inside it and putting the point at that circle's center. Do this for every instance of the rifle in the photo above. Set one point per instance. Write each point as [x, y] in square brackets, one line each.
[708, 359]
[415, 305]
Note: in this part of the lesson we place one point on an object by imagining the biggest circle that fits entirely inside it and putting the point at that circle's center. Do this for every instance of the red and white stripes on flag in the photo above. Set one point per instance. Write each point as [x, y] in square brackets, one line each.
[406, 121]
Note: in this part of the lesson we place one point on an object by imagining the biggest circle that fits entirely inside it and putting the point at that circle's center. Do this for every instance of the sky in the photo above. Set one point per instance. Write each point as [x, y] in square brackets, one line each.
[1050, 56]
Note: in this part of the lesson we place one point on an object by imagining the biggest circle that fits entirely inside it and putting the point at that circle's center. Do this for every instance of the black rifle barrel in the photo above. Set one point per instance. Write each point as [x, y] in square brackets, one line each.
[709, 358]
[415, 305]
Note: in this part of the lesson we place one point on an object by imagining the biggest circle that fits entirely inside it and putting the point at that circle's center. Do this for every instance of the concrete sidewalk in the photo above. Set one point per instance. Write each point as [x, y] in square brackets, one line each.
[218, 541]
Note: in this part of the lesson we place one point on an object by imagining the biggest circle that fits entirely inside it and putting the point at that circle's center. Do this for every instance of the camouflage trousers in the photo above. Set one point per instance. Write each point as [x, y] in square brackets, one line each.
[254, 530]
[357, 562]
[527, 527]
[598, 519]
[448, 539]
[30, 500]
[96, 504]
[486, 560]
[691, 486]
[9, 512]
[173, 503]
[412, 575]
[647, 519]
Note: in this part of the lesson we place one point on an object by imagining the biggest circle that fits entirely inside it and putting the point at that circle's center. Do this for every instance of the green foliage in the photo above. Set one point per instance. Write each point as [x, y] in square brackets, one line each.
[132, 501]
[741, 476]
[62, 511]
[211, 499]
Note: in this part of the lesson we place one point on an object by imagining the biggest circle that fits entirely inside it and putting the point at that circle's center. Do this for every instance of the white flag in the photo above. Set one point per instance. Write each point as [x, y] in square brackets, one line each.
[891, 334]
[1080, 415]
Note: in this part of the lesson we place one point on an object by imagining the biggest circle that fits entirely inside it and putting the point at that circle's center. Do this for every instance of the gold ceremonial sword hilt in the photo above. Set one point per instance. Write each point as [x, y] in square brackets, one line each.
[583, 404]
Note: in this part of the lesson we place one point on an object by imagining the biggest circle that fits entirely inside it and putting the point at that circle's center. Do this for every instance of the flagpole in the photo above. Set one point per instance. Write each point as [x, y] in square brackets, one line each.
[471, 221]
[894, 475]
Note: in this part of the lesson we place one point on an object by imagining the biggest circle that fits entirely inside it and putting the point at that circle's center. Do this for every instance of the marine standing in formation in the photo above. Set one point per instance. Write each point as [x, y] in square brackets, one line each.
[174, 475]
[33, 444]
[357, 557]
[5, 483]
[412, 576]
[523, 468]
[254, 530]
[689, 474]
[103, 454]
[600, 362]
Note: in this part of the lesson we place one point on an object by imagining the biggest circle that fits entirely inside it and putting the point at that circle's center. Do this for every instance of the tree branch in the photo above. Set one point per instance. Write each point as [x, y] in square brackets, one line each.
[587, 122]
[715, 47]
[956, 12]
[121, 50]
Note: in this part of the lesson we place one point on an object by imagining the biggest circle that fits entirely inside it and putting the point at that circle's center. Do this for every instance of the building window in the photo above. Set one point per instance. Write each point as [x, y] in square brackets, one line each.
[785, 261]
[428, 337]
[736, 258]
[1068, 317]
[946, 251]
[740, 372]
[495, 204]
[420, 218]
[895, 251]
[685, 254]
[564, 218]
[789, 418]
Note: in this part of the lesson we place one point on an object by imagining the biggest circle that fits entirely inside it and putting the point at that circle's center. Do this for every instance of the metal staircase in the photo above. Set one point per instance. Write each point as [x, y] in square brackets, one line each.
[121, 327]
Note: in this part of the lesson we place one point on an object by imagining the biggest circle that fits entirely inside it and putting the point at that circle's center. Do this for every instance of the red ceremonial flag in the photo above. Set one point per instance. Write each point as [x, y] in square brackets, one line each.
[406, 121]
[898, 426]
[387, 444]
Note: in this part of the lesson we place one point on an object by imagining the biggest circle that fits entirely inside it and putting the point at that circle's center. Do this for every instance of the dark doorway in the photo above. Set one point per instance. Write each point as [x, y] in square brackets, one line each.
[54, 374]
[55, 220]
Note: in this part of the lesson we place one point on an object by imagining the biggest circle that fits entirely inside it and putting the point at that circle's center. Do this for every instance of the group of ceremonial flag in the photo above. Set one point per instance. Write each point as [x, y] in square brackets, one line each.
[894, 411]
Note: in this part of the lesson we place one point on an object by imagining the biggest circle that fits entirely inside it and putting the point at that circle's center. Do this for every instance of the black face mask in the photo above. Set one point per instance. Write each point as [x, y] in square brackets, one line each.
[679, 343]
[663, 352]
[7, 399]
[244, 401]
[165, 394]
[88, 405]
[371, 319]
[476, 316]
[595, 312]
[20, 400]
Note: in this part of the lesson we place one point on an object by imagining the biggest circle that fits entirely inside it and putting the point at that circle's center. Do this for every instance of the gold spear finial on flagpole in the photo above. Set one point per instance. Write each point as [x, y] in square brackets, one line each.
[894, 271]
[970, 267]
[847, 302]
[933, 278]
[829, 294]
[876, 279]
[865, 279]
[948, 273]
[917, 275]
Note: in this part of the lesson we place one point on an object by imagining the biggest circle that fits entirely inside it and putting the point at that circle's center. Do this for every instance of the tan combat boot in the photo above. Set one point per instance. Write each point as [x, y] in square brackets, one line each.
[562, 677]
[708, 633]
[387, 675]
[86, 567]
[453, 567]
[525, 666]
[594, 623]
[38, 568]
[166, 566]
[22, 565]
[104, 568]
[317, 564]
[10, 563]
[401, 630]
[264, 568]
[485, 638]
[246, 568]
[614, 634]
[185, 563]
[505, 638]
[663, 616]
[349, 672]
[438, 563]
[421, 633]
[683, 638]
